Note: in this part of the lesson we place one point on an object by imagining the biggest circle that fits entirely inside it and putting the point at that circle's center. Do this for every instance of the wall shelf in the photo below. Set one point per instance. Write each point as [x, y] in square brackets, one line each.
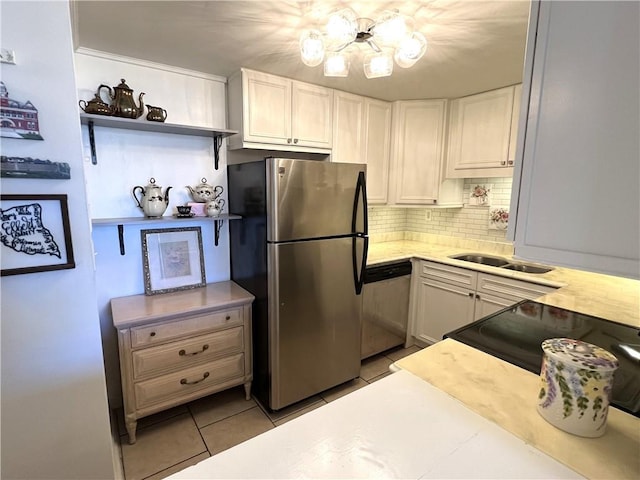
[121, 222]
[146, 126]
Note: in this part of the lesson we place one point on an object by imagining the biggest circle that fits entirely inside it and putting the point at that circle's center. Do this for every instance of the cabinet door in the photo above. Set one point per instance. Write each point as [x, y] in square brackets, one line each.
[311, 116]
[267, 108]
[418, 151]
[578, 199]
[441, 309]
[348, 116]
[479, 132]
[515, 117]
[487, 304]
[377, 148]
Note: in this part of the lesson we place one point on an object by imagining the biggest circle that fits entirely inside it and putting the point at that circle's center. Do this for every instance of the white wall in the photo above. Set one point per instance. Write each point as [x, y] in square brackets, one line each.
[55, 420]
[127, 158]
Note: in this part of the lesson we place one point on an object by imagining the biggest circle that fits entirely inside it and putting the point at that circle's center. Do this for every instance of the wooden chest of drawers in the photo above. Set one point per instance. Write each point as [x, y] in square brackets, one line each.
[180, 346]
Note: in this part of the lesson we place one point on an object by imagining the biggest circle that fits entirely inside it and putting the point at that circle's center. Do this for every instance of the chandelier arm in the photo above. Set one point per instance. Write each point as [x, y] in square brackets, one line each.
[374, 46]
[342, 47]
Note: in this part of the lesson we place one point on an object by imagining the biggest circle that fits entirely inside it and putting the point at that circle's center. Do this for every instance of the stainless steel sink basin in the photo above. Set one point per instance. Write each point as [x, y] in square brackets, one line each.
[521, 267]
[501, 263]
[482, 259]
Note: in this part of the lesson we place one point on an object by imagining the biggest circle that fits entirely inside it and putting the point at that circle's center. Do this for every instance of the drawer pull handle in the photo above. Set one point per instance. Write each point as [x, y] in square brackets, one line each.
[152, 334]
[184, 381]
[183, 353]
[228, 317]
[471, 294]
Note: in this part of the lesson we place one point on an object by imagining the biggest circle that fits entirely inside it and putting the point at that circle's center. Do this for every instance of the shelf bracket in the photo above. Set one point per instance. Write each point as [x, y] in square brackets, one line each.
[217, 142]
[217, 225]
[92, 143]
[121, 238]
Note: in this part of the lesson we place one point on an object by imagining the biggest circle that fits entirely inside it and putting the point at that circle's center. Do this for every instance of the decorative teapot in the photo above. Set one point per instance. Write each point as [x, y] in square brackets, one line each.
[204, 192]
[153, 202]
[215, 207]
[95, 106]
[123, 104]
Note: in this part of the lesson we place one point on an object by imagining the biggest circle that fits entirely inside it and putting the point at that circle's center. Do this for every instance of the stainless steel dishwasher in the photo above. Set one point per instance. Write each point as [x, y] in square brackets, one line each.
[385, 307]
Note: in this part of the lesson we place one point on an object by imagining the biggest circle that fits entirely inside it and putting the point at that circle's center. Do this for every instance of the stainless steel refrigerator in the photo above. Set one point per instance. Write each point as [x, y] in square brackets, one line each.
[301, 249]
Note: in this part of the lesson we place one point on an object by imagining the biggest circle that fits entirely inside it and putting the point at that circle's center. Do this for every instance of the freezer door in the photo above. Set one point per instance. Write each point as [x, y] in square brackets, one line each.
[314, 317]
[312, 199]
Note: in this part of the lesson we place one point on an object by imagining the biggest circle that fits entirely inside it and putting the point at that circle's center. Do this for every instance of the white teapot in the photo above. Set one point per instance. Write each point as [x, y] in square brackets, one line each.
[204, 192]
[152, 201]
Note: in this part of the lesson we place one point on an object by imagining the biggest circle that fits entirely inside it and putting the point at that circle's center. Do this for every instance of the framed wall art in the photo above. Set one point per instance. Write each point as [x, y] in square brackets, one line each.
[172, 259]
[18, 119]
[27, 167]
[35, 235]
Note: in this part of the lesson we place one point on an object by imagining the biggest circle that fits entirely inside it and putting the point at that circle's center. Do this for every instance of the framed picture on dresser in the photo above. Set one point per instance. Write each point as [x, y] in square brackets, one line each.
[172, 259]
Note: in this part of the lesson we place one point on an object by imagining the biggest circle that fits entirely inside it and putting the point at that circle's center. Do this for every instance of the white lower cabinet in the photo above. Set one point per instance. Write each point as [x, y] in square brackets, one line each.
[445, 297]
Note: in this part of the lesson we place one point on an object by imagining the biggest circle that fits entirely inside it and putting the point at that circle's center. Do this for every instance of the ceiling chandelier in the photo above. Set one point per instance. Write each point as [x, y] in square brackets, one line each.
[389, 37]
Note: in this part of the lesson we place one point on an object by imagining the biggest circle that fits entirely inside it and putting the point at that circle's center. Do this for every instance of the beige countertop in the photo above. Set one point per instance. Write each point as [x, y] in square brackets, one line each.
[605, 296]
[508, 395]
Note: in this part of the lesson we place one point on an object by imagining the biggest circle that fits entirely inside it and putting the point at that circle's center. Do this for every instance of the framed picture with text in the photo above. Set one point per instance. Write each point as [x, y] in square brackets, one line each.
[172, 259]
[35, 235]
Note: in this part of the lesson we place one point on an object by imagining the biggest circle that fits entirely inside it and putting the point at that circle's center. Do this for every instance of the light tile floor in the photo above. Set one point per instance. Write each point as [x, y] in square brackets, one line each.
[182, 436]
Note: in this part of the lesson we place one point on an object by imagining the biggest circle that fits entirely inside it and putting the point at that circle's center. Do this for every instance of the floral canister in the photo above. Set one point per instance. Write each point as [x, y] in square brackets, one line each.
[577, 378]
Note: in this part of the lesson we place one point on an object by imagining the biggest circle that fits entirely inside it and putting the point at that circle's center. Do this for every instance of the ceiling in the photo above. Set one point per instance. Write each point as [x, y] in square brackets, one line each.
[473, 45]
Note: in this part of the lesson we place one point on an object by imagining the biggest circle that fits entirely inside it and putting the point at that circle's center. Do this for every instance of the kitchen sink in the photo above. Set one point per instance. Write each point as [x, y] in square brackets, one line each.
[482, 259]
[521, 267]
[501, 263]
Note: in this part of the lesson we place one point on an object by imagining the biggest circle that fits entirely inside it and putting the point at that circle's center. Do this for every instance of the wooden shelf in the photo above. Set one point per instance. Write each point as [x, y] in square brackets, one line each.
[121, 222]
[146, 126]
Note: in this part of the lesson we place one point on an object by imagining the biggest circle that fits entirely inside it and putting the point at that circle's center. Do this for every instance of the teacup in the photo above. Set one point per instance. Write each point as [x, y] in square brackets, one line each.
[184, 209]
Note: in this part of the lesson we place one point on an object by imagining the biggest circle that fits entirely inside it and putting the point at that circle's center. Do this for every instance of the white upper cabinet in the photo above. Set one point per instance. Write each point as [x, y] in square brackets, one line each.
[277, 113]
[362, 134]
[579, 189]
[418, 154]
[377, 148]
[348, 131]
[482, 134]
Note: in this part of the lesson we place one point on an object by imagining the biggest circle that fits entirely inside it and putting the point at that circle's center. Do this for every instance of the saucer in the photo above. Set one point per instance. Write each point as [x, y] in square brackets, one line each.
[184, 215]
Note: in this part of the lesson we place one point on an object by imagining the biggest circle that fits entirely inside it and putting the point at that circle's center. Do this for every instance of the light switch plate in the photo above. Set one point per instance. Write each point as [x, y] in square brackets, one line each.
[7, 56]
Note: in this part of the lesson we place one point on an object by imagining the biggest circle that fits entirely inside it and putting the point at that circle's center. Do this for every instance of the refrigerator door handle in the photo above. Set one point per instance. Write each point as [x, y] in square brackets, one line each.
[361, 192]
[358, 277]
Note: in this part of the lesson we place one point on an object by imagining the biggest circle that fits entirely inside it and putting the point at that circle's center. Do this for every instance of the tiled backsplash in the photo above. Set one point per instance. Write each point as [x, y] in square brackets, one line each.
[466, 222]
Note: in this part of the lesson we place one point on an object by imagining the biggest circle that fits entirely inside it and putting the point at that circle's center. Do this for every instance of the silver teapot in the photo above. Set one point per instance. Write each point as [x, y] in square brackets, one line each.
[204, 193]
[152, 201]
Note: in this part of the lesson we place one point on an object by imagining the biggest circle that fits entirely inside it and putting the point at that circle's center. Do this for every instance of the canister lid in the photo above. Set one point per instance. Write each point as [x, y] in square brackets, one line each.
[579, 354]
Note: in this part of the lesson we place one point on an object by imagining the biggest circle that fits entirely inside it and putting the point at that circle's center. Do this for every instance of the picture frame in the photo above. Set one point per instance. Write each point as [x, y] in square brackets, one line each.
[172, 259]
[35, 234]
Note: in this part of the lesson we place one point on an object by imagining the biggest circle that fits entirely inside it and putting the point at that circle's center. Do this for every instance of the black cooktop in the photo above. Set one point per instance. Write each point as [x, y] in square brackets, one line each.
[515, 335]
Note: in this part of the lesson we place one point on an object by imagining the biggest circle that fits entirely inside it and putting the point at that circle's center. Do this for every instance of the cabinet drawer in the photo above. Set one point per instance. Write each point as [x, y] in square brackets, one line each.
[176, 384]
[160, 332]
[449, 274]
[508, 287]
[187, 352]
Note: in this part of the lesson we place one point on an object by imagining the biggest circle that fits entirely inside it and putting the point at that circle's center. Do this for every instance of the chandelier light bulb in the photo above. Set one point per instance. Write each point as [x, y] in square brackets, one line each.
[410, 50]
[378, 65]
[311, 47]
[391, 28]
[389, 38]
[342, 28]
[336, 65]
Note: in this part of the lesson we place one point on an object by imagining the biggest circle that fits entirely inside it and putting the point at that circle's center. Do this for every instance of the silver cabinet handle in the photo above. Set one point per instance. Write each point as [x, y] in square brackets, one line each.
[471, 294]
[184, 381]
[510, 162]
[288, 140]
[183, 353]
[295, 140]
[503, 162]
